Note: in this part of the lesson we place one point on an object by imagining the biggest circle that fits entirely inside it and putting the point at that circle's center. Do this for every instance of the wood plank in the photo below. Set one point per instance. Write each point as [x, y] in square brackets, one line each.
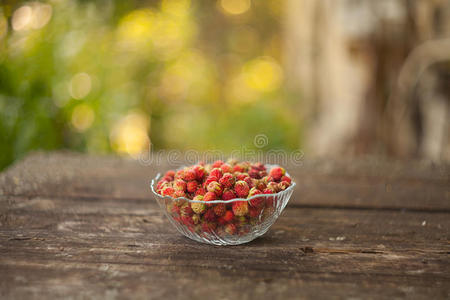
[127, 245]
[357, 183]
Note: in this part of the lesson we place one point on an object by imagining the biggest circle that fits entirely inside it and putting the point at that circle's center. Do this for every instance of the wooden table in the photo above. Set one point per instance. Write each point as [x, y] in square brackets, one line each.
[84, 227]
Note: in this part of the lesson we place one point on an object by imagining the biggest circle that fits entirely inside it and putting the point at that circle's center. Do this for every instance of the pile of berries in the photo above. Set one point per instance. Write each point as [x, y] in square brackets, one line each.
[222, 181]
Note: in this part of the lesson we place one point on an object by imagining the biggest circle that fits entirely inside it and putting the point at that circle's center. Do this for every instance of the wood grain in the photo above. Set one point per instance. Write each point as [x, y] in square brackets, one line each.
[86, 227]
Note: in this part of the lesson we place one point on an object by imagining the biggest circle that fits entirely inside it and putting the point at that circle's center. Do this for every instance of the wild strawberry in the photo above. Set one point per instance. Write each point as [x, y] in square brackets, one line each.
[191, 186]
[286, 178]
[200, 172]
[198, 207]
[186, 210]
[238, 168]
[227, 180]
[209, 215]
[208, 227]
[179, 194]
[216, 172]
[249, 181]
[175, 210]
[262, 173]
[209, 196]
[241, 188]
[277, 173]
[260, 185]
[217, 164]
[200, 191]
[230, 229]
[240, 220]
[220, 209]
[240, 208]
[215, 187]
[268, 191]
[226, 168]
[273, 186]
[209, 179]
[168, 191]
[179, 174]
[240, 176]
[253, 173]
[170, 173]
[259, 166]
[254, 212]
[187, 220]
[228, 194]
[228, 216]
[256, 202]
[179, 185]
[283, 185]
[189, 175]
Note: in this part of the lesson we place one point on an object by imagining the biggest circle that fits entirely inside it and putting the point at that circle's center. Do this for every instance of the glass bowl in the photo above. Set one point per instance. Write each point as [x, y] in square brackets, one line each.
[238, 230]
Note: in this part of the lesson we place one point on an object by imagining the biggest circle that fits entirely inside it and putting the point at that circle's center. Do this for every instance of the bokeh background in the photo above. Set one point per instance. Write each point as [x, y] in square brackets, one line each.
[344, 77]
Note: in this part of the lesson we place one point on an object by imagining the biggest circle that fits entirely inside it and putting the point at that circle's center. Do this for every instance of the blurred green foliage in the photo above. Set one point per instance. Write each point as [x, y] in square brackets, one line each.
[114, 76]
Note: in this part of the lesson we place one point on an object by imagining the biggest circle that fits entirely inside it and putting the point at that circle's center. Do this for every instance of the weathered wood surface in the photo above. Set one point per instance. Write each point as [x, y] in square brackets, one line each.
[81, 227]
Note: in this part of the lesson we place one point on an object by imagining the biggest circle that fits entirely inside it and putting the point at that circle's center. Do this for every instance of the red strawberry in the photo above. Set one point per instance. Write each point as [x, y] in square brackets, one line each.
[286, 178]
[228, 194]
[226, 168]
[200, 191]
[253, 173]
[240, 176]
[189, 175]
[238, 168]
[216, 173]
[283, 185]
[241, 188]
[273, 186]
[230, 229]
[208, 227]
[217, 164]
[186, 210]
[254, 212]
[179, 194]
[168, 191]
[209, 215]
[187, 220]
[256, 202]
[216, 188]
[277, 173]
[227, 180]
[209, 196]
[228, 216]
[220, 209]
[259, 166]
[175, 210]
[179, 174]
[249, 181]
[200, 172]
[170, 173]
[179, 185]
[240, 208]
[209, 180]
[191, 186]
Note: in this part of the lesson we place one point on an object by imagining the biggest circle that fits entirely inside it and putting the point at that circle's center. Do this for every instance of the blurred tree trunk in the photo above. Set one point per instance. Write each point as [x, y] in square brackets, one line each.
[346, 56]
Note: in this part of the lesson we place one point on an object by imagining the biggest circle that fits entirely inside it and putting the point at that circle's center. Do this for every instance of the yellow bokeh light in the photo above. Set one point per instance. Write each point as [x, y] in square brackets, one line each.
[82, 117]
[263, 74]
[22, 18]
[235, 7]
[80, 85]
[42, 14]
[176, 7]
[137, 27]
[129, 135]
[33, 16]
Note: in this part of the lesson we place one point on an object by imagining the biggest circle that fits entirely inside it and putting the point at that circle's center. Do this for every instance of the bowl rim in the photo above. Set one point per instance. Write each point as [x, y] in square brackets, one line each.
[155, 180]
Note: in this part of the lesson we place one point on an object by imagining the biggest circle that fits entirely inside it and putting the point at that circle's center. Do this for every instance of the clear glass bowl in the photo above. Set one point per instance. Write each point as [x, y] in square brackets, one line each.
[243, 229]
